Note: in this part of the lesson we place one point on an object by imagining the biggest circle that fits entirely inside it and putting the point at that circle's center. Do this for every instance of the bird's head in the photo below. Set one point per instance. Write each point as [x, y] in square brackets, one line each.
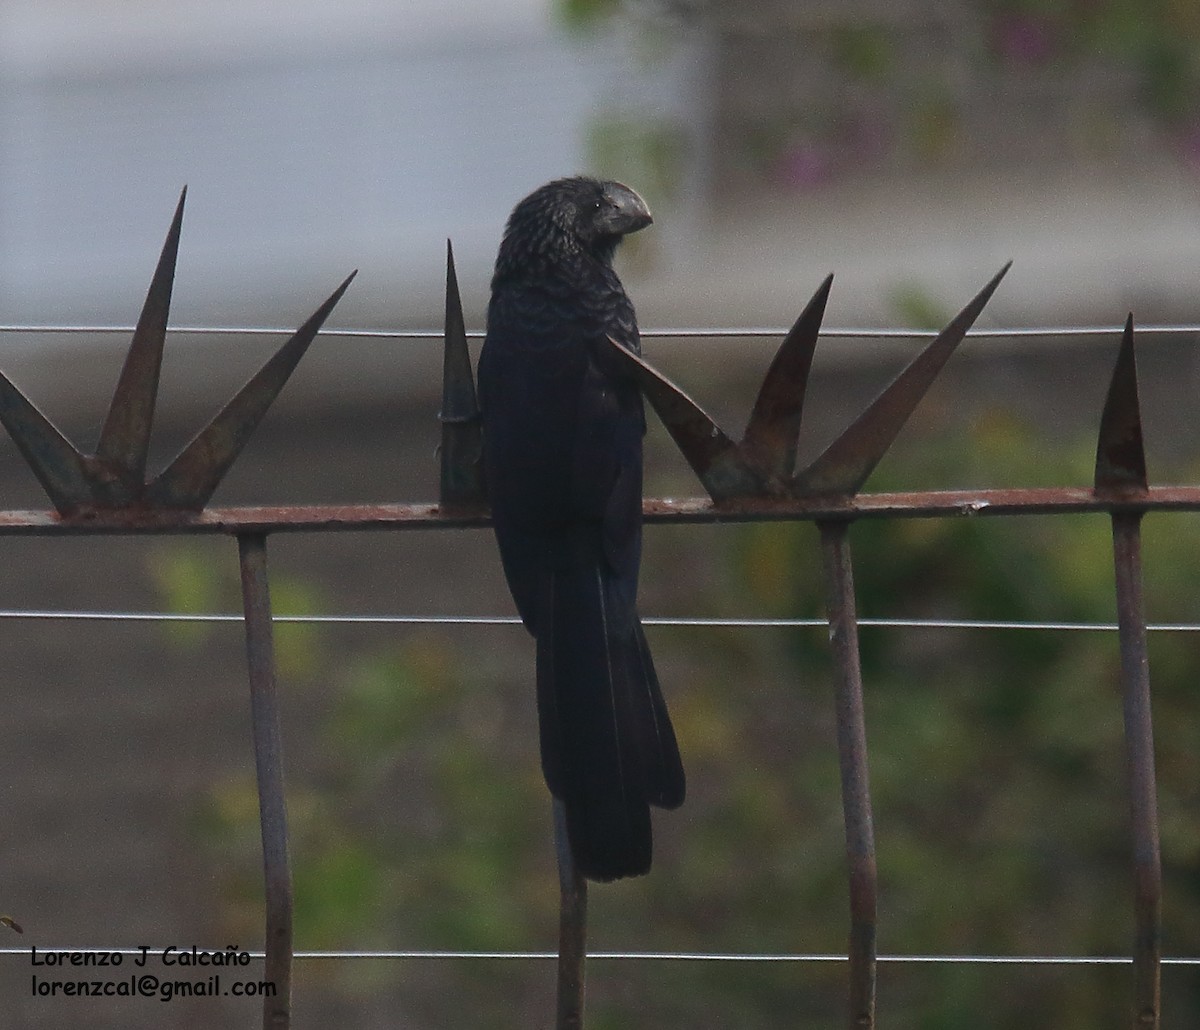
[571, 216]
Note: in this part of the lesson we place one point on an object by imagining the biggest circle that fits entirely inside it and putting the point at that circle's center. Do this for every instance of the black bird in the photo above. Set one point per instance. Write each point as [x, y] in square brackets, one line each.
[562, 432]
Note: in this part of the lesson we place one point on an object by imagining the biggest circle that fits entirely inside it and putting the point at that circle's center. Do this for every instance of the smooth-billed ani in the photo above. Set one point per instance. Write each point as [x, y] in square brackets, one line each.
[562, 431]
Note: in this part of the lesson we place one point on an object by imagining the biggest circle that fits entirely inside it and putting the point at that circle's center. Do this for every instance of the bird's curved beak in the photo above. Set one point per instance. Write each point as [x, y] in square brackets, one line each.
[625, 211]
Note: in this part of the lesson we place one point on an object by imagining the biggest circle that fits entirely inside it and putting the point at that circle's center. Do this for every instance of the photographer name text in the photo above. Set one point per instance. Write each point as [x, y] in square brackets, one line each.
[63, 976]
[169, 956]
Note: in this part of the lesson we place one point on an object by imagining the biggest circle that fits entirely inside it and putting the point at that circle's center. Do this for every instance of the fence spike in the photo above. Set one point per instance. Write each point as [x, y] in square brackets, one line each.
[769, 442]
[461, 481]
[125, 439]
[763, 461]
[849, 460]
[1120, 450]
[761, 465]
[189, 481]
[113, 478]
[707, 449]
[64, 473]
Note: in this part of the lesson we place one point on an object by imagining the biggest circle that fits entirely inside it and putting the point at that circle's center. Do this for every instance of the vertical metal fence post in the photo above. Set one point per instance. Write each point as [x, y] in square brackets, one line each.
[1121, 473]
[572, 929]
[852, 755]
[1139, 751]
[268, 760]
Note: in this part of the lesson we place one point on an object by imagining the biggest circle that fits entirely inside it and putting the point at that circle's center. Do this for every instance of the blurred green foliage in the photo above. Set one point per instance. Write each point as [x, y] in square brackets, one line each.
[915, 306]
[189, 583]
[583, 15]
[648, 153]
[997, 770]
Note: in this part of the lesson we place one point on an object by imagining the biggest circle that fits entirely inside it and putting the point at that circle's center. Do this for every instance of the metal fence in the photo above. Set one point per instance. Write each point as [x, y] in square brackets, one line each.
[754, 478]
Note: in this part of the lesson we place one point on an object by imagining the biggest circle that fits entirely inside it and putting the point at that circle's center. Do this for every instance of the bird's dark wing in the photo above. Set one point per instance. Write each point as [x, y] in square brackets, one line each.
[613, 402]
[631, 727]
[529, 383]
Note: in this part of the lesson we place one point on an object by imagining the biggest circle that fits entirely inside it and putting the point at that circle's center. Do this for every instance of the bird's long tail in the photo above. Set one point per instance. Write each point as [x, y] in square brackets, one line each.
[608, 748]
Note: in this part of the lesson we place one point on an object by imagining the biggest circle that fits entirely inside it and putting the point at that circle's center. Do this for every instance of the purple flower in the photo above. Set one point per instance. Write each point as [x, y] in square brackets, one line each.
[804, 165]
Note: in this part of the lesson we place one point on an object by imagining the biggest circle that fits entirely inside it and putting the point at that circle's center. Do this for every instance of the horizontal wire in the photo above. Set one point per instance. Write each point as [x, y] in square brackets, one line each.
[1024, 332]
[512, 620]
[659, 956]
[697, 956]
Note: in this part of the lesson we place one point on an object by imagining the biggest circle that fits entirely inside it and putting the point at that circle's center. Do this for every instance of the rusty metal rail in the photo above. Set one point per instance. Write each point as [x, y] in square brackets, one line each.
[754, 478]
[326, 518]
